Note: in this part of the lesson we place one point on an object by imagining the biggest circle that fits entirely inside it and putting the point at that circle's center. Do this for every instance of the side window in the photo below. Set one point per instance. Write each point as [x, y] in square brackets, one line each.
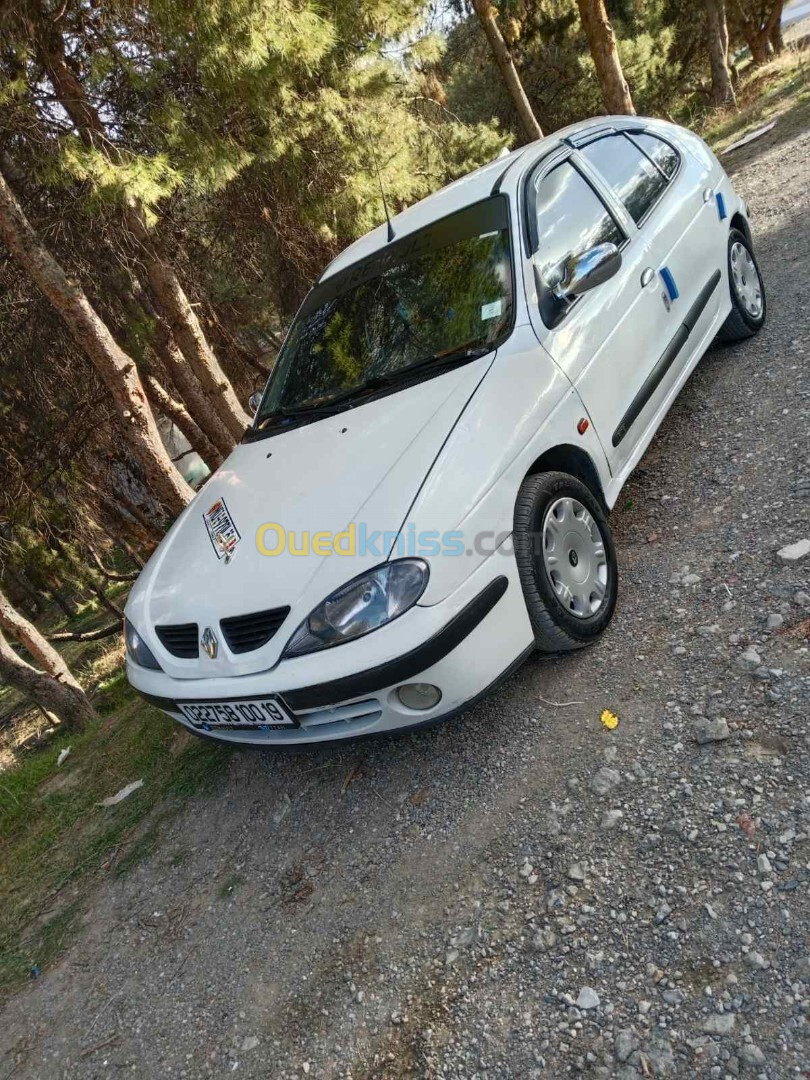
[626, 169]
[659, 151]
[570, 219]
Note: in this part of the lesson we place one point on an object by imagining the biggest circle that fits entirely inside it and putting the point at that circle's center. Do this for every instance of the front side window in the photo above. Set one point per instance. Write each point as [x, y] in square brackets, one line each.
[440, 295]
[664, 156]
[569, 219]
[628, 171]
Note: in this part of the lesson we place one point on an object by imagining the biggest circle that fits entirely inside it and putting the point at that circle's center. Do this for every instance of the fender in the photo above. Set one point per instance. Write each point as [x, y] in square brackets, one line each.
[524, 408]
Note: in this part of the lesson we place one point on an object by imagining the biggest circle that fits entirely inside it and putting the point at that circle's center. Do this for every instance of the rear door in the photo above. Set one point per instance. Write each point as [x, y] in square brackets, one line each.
[667, 194]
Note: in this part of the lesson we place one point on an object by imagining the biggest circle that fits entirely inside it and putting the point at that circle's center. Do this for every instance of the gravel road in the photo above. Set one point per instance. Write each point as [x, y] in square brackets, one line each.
[522, 892]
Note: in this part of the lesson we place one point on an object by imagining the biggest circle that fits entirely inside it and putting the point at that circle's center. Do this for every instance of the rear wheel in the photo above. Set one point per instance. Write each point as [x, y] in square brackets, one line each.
[748, 305]
[566, 559]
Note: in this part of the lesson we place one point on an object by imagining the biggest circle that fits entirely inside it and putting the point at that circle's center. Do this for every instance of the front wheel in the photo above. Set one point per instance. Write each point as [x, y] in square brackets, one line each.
[566, 560]
[748, 306]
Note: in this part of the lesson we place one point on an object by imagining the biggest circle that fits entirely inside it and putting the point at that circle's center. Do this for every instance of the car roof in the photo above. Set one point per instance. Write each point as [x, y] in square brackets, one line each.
[463, 192]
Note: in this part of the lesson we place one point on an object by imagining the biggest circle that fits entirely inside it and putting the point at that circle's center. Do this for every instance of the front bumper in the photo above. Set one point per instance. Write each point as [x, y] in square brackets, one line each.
[462, 645]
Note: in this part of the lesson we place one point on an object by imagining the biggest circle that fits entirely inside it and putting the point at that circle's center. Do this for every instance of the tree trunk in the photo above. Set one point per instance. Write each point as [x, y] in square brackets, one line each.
[25, 587]
[176, 412]
[63, 602]
[136, 303]
[776, 39]
[166, 286]
[110, 575]
[186, 329]
[503, 58]
[71, 706]
[104, 600]
[191, 390]
[33, 642]
[116, 369]
[133, 556]
[124, 522]
[602, 43]
[717, 40]
[761, 49]
[758, 37]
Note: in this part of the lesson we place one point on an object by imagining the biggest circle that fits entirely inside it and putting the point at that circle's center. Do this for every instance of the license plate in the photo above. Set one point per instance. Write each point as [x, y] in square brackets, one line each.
[266, 713]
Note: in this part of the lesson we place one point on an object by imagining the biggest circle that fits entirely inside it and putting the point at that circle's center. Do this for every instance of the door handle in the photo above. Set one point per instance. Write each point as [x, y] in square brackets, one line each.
[707, 194]
[646, 276]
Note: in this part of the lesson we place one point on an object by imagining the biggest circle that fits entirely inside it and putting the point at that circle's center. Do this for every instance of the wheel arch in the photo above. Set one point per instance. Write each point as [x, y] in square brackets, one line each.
[740, 221]
[567, 458]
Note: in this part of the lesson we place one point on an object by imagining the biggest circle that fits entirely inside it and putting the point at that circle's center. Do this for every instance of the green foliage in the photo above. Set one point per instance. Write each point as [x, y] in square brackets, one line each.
[136, 178]
[552, 56]
[648, 69]
[276, 103]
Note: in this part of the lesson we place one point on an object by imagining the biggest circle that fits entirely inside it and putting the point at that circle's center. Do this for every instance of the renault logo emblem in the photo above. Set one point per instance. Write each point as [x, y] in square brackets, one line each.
[209, 643]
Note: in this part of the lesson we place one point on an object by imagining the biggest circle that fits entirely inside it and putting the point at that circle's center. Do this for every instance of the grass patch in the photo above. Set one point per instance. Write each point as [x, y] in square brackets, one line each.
[764, 93]
[54, 838]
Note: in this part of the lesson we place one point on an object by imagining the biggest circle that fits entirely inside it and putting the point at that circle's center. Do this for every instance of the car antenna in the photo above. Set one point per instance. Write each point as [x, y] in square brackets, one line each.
[382, 192]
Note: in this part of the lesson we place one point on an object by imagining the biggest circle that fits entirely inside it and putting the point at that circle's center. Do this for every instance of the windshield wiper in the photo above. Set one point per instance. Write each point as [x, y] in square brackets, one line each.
[390, 378]
[438, 360]
[344, 400]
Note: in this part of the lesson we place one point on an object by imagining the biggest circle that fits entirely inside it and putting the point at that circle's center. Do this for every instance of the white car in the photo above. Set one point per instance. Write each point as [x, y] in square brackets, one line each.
[423, 497]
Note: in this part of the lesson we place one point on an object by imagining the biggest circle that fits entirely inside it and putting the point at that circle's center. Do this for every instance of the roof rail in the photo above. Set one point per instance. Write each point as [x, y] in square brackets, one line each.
[496, 187]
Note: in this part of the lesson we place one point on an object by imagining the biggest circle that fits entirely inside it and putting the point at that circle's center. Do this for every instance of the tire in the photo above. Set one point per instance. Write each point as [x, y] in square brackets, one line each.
[561, 625]
[747, 315]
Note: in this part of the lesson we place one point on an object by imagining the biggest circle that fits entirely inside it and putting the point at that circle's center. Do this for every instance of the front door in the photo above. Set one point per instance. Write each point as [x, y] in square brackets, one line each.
[608, 340]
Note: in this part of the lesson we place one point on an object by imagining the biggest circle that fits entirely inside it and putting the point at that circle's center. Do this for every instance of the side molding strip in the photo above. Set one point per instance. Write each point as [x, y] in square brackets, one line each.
[667, 358]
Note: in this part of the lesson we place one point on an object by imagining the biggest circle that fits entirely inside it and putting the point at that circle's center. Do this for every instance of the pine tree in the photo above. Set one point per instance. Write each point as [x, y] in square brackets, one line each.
[55, 689]
[602, 42]
[167, 288]
[717, 41]
[759, 21]
[116, 369]
[487, 15]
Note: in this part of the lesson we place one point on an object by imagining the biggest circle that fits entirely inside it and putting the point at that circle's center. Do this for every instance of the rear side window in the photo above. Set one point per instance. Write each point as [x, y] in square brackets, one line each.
[570, 219]
[628, 171]
[664, 156]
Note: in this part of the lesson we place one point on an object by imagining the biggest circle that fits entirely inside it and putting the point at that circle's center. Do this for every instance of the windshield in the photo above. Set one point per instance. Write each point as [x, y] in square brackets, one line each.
[438, 296]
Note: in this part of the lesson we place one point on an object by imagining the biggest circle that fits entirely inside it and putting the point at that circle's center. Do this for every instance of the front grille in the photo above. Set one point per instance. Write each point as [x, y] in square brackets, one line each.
[181, 640]
[247, 632]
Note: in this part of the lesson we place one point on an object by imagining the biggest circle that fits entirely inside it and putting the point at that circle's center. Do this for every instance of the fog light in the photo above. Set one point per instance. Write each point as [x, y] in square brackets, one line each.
[419, 695]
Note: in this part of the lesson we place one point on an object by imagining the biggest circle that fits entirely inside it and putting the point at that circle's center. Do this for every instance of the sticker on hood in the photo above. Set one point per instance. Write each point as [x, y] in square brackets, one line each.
[222, 530]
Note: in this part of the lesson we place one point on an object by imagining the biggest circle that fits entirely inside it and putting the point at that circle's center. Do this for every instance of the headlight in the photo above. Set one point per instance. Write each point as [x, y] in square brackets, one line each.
[137, 649]
[363, 605]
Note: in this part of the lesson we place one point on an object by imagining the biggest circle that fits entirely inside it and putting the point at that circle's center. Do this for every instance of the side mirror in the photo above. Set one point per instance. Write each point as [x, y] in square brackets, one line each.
[586, 271]
[255, 400]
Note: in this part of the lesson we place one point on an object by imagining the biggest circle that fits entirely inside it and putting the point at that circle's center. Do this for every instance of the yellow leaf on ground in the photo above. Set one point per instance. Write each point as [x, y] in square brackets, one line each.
[609, 720]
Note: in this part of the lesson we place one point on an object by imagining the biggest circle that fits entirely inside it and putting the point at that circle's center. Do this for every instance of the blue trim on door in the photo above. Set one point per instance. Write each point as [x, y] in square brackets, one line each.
[667, 358]
[669, 281]
[721, 206]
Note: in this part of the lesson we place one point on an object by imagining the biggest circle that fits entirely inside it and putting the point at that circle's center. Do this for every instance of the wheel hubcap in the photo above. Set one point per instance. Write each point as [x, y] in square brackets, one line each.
[745, 276]
[574, 557]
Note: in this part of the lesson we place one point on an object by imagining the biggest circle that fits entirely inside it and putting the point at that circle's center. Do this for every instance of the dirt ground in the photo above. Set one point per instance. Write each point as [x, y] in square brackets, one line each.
[521, 892]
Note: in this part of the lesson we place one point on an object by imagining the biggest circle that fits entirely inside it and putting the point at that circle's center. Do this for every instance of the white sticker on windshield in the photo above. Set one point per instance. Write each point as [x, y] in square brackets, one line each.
[490, 311]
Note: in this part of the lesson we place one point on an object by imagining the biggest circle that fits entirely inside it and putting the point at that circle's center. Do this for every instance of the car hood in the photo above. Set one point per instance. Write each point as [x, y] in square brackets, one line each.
[363, 466]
